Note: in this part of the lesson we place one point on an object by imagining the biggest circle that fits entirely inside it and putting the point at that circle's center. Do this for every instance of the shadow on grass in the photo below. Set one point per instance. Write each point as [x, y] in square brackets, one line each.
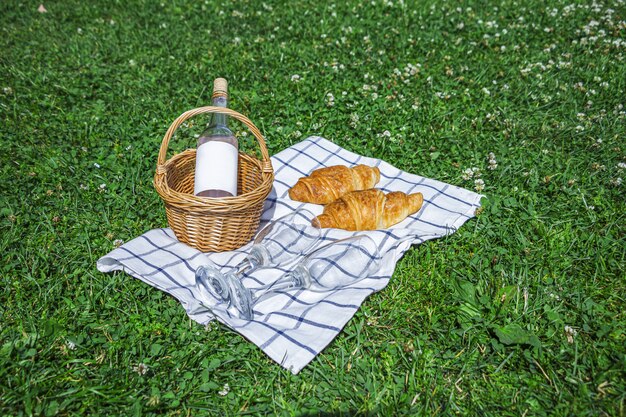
[347, 413]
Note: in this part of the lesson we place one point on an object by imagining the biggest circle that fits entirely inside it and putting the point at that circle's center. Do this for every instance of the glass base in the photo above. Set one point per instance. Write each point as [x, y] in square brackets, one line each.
[241, 298]
[209, 280]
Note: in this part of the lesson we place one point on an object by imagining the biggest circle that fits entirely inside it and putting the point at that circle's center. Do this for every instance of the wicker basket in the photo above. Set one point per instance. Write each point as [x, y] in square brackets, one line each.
[213, 224]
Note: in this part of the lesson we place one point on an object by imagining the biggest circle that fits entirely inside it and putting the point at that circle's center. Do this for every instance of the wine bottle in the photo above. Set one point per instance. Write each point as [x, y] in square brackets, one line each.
[217, 152]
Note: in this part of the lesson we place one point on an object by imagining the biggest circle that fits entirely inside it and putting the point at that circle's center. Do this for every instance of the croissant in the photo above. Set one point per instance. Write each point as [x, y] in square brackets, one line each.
[370, 210]
[325, 185]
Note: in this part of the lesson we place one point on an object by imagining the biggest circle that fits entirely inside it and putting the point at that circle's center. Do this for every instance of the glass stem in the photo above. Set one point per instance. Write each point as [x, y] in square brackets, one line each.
[243, 267]
[298, 278]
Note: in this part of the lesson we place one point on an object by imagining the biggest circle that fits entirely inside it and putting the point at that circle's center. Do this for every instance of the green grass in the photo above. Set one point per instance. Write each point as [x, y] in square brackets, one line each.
[471, 324]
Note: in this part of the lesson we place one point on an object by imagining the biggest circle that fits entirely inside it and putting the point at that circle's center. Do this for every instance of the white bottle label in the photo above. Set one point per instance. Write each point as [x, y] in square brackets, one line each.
[216, 167]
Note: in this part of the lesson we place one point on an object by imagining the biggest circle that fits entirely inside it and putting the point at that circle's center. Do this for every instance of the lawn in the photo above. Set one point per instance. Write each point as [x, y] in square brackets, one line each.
[519, 313]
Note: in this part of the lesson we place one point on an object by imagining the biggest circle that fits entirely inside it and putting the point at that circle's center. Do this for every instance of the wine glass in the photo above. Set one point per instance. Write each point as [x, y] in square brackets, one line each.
[280, 242]
[331, 266]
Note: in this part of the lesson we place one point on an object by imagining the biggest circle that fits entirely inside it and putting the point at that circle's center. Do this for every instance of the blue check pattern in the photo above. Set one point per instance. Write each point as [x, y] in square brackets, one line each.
[293, 327]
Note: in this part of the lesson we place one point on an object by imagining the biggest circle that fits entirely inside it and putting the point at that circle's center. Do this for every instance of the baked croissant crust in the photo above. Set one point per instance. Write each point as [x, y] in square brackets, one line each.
[370, 210]
[325, 185]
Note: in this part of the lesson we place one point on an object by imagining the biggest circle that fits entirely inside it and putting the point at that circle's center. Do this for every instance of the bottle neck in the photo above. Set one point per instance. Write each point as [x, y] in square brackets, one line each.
[220, 119]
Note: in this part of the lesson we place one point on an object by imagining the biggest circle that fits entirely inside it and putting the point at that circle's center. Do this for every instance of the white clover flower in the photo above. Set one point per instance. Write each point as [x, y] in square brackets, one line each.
[295, 78]
[132, 62]
[118, 242]
[354, 120]
[7, 90]
[141, 369]
[297, 133]
[70, 345]
[479, 185]
[570, 333]
[103, 186]
[621, 165]
[330, 99]
[224, 390]
[79, 30]
[97, 165]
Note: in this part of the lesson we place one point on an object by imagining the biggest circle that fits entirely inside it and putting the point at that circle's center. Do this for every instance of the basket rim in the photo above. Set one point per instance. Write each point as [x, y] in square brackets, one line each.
[217, 205]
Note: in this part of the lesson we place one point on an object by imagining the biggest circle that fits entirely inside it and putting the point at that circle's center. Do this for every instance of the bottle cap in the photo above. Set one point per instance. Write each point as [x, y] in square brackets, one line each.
[220, 87]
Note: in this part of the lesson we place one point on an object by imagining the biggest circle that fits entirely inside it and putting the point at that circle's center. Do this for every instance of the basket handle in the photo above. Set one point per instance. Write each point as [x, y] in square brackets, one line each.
[266, 165]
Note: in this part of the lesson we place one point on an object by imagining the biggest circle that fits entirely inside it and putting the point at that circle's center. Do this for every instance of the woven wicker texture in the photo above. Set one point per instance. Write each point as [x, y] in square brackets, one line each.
[213, 224]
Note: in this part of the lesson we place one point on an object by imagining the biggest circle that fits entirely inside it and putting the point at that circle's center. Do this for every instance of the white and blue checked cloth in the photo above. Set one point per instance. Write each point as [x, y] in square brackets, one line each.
[294, 326]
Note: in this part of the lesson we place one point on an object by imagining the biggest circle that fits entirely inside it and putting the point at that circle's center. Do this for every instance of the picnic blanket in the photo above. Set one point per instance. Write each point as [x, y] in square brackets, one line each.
[294, 326]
